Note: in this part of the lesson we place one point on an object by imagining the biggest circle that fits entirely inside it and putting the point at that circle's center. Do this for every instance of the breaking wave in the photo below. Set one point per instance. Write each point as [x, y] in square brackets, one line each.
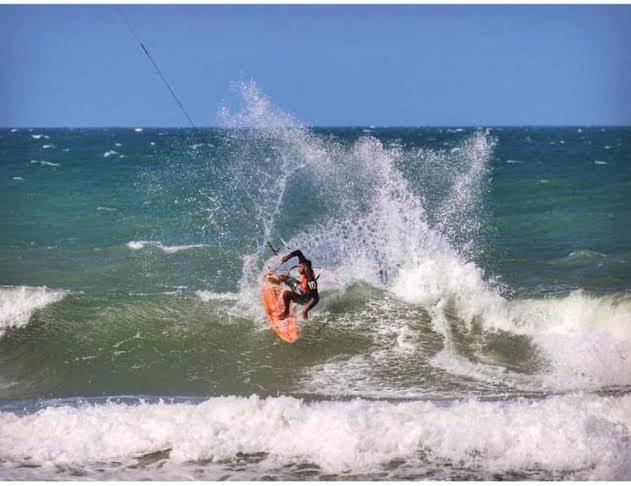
[576, 434]
[17, 304]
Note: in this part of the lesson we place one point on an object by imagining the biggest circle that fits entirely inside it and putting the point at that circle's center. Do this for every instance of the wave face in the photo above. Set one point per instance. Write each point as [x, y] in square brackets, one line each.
[474, 320]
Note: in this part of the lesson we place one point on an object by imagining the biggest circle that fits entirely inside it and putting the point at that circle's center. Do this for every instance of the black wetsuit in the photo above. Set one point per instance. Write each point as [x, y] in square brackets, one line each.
[308, 287]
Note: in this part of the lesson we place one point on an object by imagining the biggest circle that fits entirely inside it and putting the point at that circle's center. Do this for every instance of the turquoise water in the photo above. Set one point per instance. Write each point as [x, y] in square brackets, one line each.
[68, 225]
[474, 322]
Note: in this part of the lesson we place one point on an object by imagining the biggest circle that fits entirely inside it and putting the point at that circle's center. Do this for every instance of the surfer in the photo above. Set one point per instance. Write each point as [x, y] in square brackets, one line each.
[306, 289]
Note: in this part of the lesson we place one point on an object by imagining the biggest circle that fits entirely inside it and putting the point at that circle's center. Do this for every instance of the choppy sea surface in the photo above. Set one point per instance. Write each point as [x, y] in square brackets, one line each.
[474, 322]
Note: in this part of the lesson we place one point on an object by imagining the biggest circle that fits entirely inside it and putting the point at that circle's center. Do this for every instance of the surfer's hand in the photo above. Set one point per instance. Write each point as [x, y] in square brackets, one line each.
[305, 314]
[284, 259]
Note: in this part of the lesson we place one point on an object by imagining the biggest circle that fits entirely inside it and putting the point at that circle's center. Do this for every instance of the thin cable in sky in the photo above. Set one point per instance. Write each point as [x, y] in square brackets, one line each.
[133, 32]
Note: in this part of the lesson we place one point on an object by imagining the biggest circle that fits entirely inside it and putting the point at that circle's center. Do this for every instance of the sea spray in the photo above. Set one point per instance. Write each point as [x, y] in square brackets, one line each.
[381, 228]
[372, 213]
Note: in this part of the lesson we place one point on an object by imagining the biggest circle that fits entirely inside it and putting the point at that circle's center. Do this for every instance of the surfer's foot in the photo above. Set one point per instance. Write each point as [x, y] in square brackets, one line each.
[284, 315]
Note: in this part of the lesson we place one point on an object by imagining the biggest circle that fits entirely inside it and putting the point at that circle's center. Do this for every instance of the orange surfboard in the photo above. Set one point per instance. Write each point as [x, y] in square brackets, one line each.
[286, 329]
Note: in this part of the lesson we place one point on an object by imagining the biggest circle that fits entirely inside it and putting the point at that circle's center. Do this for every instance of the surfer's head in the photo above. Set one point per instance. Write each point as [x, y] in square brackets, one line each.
[305, 266]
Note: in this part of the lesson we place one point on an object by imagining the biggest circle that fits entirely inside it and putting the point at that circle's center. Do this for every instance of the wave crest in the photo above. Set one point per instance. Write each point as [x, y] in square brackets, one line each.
[584, 435]
[17, 304]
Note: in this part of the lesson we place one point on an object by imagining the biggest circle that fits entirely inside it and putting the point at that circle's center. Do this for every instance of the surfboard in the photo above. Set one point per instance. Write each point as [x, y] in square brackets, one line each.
[286, 329]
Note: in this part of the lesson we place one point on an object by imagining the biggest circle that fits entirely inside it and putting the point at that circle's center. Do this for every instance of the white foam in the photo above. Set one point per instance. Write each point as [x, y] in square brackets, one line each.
[13, 130]
[138, 130]
[209, 296]
[117, 144]
[586, 339]
[571, 433]
[138, 245]
[175, 249]
[18, 178]
[48, 145]
[17, 304]
[105, 208]
[37, 137]
[600, 162]
[584, 254]
[109, 153]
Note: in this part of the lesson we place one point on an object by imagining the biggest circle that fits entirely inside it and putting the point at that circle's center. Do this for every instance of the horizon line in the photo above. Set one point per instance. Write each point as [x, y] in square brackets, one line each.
[372, 127]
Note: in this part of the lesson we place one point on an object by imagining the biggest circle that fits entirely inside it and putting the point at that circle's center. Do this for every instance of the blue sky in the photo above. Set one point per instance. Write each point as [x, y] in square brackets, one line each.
[328, 65]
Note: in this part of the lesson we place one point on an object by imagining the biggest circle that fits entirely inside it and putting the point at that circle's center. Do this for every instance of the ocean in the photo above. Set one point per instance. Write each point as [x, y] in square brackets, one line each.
[474, 321]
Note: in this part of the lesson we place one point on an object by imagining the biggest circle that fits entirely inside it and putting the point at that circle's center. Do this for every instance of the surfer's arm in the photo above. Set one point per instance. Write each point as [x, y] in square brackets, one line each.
[296, 253]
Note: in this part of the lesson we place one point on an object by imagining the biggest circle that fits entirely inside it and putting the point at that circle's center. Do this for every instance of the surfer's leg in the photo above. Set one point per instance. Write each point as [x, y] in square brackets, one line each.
[286, 300]
[288, 297]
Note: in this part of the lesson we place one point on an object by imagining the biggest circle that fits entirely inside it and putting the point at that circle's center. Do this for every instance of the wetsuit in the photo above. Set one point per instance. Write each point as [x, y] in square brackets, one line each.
[307, 285]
